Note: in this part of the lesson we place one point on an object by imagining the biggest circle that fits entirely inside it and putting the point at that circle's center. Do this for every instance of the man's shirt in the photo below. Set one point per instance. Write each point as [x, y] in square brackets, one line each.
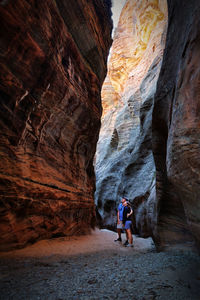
[121, 209]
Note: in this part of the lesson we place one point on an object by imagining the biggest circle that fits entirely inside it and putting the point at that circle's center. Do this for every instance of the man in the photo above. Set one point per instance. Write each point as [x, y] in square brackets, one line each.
[120, 219]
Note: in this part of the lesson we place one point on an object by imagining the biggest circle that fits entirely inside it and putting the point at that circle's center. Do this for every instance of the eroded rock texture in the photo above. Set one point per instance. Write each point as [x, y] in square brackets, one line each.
[145, 111]
[124, 159]
[176, 128]
[53, 61]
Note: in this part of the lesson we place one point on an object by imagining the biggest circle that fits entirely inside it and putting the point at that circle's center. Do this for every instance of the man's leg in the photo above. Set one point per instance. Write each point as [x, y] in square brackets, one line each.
[119, 231]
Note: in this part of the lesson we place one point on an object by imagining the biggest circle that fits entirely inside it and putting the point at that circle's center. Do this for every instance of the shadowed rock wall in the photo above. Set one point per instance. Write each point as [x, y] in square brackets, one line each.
[53, 62]
[176, 128]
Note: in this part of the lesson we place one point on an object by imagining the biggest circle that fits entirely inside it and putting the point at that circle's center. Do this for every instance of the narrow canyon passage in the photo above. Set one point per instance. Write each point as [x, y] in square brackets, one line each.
[90, 114]
[124, 162]
[149, 138]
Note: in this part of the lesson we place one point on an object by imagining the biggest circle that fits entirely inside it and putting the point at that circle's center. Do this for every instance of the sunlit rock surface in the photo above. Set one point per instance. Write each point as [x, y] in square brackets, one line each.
[124, 159]
[53, 62]
[149, 111]
[176, 128]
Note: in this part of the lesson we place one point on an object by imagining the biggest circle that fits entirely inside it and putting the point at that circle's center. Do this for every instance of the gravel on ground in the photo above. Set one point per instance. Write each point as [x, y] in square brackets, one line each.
[96, 267]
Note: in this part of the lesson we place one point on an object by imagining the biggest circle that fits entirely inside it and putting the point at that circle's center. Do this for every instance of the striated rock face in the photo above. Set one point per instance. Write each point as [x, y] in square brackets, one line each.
[124, 159]
[149, 145]
[53, 62]
[176, 128]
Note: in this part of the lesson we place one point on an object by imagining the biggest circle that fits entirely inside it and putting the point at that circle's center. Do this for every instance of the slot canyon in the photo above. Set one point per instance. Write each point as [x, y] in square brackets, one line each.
[94, 110]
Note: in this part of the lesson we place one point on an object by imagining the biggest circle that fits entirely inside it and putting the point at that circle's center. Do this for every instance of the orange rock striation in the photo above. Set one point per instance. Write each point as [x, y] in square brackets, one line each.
[136, 43]
[53, 62]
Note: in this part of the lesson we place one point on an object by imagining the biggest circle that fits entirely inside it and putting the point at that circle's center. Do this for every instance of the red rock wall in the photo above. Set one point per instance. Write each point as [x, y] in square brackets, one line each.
[53, 62]
[176, 129]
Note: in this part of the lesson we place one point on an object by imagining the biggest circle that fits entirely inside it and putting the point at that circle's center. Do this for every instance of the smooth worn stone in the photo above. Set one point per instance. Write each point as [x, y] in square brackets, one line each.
[176, 129]
[124, 159]
[149, 150]
[53, 58]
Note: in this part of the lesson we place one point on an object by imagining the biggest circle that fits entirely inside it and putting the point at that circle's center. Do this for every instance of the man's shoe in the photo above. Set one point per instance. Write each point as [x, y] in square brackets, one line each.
[118, 240]
[129, 245]
[126, 243]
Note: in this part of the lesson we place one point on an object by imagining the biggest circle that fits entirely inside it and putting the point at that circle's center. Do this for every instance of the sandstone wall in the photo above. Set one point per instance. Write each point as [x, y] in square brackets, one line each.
[149, 145]
[124, 159]
[176, 128]
[53, 62]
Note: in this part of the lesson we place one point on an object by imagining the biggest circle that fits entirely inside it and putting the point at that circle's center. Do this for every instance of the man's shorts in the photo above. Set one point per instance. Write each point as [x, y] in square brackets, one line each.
[127, 225]
[120, 225]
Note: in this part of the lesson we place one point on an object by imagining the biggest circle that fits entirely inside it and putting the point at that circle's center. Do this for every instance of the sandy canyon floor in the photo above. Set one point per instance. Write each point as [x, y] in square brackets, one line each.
[96, 267]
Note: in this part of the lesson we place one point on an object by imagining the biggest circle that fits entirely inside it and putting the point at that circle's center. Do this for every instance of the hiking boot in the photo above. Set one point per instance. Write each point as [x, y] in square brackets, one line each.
[126, 243]
[129, 245]
[118, 240]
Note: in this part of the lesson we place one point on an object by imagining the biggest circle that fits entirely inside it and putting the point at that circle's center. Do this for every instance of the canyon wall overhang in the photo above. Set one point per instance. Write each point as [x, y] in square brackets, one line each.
[53, 57]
